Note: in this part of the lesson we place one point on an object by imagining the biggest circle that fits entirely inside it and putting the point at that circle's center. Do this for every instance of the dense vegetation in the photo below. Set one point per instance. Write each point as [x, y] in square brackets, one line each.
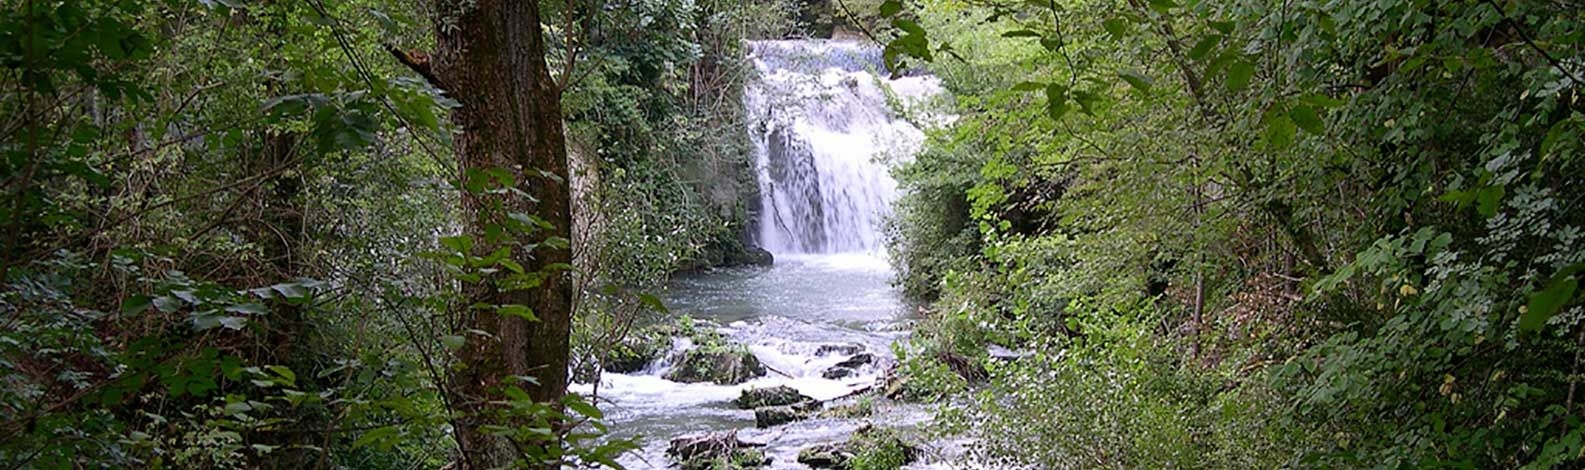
[1153, 234]
[1251, 234]
[244, 234]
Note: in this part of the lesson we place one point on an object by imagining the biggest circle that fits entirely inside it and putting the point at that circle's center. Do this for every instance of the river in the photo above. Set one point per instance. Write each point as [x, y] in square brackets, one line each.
[827, 129]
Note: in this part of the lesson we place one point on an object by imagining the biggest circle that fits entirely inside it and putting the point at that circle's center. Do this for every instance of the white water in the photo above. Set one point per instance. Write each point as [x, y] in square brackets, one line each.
[824, 136]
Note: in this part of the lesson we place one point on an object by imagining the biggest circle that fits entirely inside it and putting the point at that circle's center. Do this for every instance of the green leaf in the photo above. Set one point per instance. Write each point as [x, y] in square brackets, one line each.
[1203, 48]
[167, 304]
[891, 7]
[237, 408]
[1022, 33]
[1239, 74]
[1117, 27]
[376, 437]
[1488, 200]
[1056, 101]
[290, 290]
[517, 394]
[1546, 303]
[1307, 119]
[1280, 130]
[250, 308]
[653, 302]
[584, 408]
[286, 375]
[1138, 80]
[912, 28]
[453, 341]
[1162, 5]
[136, 304]
[1321, 101]
[520, 311]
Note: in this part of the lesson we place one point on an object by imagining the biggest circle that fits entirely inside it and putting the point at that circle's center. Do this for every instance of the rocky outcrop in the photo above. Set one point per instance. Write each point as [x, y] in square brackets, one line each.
[723, 364]
[780, 395]
[767, 416]
[716, 451]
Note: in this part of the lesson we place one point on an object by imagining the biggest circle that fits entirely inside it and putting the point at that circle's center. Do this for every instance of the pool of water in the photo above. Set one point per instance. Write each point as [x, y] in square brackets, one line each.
[784, 314]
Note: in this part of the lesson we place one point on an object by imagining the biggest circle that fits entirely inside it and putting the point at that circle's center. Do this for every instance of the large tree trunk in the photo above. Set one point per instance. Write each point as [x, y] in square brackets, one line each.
[491, 59]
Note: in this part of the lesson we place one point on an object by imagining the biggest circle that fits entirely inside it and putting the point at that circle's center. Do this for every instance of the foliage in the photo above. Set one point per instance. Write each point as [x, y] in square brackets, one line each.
[231, 229]
[1346, 219]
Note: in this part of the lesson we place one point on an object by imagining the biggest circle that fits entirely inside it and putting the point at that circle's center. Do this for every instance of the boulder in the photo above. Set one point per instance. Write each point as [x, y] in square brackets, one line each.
[723, 364]
[780, 395]
[750, 256]
[768, 416]
[717, 450]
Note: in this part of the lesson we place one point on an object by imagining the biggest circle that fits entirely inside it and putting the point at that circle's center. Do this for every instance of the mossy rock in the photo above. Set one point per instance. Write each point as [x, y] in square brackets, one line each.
[722, 365]
[825, 456]
[780, 395]
[871, 448]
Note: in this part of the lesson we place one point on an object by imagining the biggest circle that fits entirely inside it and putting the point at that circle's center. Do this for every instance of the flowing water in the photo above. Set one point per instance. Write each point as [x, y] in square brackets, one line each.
[825, 132]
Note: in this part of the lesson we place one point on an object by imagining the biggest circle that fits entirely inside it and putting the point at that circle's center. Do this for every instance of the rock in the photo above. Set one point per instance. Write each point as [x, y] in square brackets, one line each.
[842, 349]
[722, 364]
[835, 373]
[717, 450]
[876, 444]
[750, 256]
[857, 361]
[832, 456]
[780, 395]
[768, 416]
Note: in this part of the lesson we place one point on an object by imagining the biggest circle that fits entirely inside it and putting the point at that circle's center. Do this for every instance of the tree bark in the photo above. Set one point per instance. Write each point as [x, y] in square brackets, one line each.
[491, 56]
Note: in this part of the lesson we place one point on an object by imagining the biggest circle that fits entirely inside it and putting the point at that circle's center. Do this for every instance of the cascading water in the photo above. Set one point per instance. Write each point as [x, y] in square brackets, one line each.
[824, 130]
[823, 318]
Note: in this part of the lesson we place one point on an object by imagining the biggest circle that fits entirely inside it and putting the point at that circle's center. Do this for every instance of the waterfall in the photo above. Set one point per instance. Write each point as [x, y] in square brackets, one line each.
[825, 132]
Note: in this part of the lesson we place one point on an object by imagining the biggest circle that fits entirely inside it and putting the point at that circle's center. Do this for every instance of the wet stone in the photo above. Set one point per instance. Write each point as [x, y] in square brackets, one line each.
[838, 349]
[835, 373]
[780, 395]
[778, 415]
[857, 361]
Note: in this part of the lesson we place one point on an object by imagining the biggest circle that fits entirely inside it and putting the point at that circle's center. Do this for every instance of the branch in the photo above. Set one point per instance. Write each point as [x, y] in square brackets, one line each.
[1531, 42]
[419, 62]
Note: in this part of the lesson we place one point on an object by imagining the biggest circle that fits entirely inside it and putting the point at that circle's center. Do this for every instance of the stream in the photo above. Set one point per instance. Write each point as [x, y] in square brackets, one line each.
[826, 131]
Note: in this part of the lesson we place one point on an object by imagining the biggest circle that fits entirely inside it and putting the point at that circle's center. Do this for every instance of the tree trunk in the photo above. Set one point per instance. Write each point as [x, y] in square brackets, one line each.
[491, 59]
